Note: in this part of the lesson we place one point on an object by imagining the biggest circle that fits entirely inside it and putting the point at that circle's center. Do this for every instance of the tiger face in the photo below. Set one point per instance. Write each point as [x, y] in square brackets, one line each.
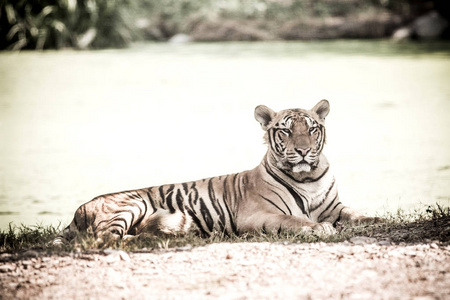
[295, 136]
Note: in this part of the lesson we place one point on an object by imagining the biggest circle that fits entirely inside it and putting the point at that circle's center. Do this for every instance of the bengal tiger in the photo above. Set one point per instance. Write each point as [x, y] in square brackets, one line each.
[293, 188]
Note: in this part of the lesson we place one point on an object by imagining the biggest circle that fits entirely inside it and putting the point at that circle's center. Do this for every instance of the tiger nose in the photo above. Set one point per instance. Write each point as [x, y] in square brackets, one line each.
[302, 151]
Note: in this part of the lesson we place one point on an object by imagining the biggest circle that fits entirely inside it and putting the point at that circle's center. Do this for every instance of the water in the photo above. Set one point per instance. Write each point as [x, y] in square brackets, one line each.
[74, 125]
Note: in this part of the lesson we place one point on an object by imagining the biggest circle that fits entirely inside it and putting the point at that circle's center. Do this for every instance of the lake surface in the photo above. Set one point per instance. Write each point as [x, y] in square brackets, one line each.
[74, 125]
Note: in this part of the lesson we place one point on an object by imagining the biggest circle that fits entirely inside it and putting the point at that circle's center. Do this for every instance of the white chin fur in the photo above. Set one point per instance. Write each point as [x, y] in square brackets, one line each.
[301, 168]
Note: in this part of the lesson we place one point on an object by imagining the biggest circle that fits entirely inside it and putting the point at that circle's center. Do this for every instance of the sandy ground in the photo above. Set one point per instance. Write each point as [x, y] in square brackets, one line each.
[362, 268]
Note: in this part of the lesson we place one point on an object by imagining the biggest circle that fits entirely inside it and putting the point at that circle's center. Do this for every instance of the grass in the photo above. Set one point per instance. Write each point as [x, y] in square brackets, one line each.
[426, 225]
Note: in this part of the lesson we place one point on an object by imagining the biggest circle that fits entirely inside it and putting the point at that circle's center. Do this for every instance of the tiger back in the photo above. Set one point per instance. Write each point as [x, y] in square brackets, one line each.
[292, 188]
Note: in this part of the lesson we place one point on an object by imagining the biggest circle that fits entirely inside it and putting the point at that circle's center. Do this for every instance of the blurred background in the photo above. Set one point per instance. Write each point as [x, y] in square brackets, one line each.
[99, 96]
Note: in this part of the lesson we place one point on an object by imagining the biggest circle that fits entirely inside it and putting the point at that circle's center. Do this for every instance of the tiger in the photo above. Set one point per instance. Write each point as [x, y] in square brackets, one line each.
[293, 188]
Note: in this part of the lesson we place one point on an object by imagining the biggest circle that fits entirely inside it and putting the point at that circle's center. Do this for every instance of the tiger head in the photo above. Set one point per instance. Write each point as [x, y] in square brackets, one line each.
[295, 136]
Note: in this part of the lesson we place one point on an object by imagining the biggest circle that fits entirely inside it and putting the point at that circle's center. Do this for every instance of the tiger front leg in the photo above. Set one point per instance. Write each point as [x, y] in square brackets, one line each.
[275, 222]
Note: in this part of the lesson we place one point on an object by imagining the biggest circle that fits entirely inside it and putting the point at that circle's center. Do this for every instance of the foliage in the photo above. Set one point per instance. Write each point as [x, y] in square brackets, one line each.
[43, 24]
[429, 224]
[81, 24]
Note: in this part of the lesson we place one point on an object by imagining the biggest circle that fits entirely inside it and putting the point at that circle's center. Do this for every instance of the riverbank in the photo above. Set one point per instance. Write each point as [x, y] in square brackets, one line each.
[371, 24]
[268, 20]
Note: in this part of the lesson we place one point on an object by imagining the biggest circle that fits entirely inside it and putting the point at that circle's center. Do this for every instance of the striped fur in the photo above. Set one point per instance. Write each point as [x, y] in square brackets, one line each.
[293, 188]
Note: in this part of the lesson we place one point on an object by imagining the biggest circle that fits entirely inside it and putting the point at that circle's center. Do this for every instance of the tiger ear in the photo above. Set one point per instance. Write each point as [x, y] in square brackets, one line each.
[322, 109]
[264, 115]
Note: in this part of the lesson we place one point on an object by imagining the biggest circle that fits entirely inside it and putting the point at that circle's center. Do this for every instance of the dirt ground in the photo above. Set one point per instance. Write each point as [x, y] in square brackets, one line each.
[362, 268]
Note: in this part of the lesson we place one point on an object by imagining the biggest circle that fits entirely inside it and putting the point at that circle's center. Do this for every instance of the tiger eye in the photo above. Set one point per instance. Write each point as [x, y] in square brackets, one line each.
[286, 131]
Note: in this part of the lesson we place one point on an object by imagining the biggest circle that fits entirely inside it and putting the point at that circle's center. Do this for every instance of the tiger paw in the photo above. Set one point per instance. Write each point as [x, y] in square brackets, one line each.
[324, 228]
